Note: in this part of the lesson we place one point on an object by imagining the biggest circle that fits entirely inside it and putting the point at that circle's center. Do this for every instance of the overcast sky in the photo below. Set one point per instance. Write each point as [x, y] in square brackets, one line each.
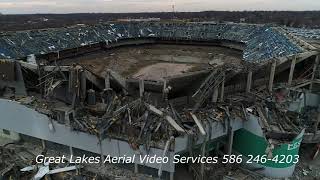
[76, 6]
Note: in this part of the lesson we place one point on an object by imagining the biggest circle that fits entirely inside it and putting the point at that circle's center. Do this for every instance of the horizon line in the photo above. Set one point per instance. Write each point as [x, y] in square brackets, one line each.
[150, 12]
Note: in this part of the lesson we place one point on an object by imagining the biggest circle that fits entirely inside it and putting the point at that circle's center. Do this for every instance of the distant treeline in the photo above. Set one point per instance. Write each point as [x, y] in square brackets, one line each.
[307, 19]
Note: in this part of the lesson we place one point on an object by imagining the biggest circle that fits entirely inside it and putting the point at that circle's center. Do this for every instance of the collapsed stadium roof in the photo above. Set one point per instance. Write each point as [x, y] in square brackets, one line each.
[261, 41]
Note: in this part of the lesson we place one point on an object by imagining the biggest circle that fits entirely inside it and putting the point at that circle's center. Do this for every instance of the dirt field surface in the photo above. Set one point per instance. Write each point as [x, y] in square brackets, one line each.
[161, 70]
[156, 61]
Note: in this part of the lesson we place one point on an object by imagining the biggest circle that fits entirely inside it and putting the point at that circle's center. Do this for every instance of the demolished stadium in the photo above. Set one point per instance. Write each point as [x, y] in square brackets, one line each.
[82, 87]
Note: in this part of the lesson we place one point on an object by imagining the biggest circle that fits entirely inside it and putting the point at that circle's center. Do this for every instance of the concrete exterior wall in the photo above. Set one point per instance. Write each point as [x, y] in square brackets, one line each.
[251, 141]
[311, 100]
